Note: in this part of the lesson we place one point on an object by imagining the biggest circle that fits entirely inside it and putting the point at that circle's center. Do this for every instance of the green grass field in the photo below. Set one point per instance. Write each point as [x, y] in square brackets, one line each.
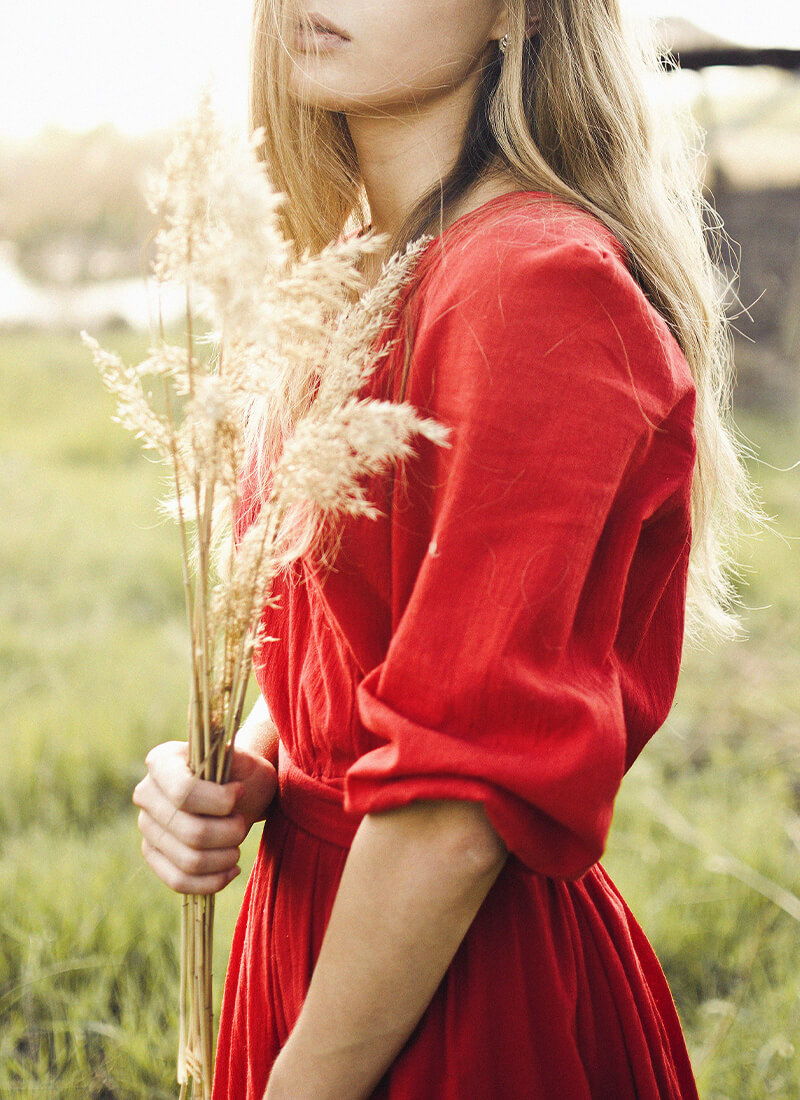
[705, 844]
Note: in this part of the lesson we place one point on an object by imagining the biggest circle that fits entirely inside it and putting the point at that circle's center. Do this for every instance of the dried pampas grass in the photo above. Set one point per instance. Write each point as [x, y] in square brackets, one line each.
[279, 396]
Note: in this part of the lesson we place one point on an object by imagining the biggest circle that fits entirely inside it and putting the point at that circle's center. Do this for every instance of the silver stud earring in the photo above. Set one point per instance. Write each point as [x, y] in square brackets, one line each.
[503, 43]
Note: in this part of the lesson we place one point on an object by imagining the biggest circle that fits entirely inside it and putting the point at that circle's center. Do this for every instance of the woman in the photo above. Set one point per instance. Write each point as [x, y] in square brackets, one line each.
[450, 710]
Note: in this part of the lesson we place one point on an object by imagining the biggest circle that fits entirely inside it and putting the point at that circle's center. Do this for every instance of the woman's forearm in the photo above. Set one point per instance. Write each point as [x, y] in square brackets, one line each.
[258, 733]
[413, 881]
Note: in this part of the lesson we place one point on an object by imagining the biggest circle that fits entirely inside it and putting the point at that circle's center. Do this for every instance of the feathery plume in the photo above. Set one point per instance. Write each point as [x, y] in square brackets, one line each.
[270, 384]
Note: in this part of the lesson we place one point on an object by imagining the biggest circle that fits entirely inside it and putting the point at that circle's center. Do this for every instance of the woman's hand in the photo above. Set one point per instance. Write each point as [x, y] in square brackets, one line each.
[192, 828]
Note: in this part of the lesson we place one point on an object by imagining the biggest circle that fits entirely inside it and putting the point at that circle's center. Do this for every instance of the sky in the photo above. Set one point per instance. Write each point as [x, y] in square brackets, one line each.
[141, 64]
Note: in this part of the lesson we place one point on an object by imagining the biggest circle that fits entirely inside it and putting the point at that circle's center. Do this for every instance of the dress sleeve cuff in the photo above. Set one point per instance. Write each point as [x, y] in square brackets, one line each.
[544, 846]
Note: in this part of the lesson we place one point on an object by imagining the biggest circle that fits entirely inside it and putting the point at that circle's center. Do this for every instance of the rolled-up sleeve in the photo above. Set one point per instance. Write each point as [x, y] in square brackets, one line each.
[501, 683]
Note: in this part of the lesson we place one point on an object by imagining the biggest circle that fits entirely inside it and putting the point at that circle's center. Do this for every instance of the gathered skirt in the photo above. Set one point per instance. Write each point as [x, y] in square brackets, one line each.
[554, 993]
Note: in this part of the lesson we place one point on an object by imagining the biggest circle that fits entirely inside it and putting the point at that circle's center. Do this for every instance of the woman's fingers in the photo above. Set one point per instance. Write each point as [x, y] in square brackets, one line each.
[192, 861]
[179, 880]
[194, 830]
[168, 767]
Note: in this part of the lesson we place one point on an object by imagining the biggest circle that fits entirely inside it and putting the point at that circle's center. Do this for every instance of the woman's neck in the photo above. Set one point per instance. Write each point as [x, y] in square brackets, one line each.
[403, 154]
[485, 188]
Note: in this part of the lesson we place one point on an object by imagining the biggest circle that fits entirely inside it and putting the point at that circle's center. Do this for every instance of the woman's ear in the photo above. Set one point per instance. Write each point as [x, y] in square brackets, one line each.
[534, 18]
[501, 24]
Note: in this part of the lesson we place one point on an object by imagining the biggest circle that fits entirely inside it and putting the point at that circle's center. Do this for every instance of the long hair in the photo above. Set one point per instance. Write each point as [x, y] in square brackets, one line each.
[566, 111]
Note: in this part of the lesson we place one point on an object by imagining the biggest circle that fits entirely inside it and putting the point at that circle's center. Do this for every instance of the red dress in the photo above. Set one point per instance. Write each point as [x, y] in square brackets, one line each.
[509, 631]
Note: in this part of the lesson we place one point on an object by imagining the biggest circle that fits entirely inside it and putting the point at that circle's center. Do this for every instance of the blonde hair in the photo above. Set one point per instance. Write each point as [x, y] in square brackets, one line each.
[565, 111]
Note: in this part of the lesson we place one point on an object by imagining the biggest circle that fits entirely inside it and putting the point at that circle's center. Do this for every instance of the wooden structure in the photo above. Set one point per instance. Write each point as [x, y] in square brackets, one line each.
[692, 47]
[764, 223]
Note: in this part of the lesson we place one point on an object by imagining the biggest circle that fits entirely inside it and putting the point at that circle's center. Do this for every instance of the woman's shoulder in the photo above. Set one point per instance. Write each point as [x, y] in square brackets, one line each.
[514, 234]
[563, 277]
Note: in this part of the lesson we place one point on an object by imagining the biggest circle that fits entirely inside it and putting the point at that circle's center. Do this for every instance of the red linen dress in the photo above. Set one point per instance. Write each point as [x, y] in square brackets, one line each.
[508, 632]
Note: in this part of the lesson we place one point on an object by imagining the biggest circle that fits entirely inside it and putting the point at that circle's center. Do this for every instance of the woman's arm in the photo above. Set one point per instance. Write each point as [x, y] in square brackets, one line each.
[258, 734]
[414, 879]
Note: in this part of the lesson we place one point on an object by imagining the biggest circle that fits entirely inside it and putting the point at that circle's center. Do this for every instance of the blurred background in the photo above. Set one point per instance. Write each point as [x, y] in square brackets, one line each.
[706, 840]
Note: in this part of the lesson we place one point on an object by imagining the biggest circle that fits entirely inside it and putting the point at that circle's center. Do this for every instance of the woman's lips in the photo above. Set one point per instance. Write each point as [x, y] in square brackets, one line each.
[322, 24]
[322, 40]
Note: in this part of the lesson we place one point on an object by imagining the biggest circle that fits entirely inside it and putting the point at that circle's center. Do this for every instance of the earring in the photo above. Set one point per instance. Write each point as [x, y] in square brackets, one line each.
[503, 43]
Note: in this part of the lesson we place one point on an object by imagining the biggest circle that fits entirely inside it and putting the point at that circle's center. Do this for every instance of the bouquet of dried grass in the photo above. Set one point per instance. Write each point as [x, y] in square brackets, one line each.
[287, 348]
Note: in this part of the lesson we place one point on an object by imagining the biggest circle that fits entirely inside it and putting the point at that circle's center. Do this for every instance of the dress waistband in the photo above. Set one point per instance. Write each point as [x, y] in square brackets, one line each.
[313, 804]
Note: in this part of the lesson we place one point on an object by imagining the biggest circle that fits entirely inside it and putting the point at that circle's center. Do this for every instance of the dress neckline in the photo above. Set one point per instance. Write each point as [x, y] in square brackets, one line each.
[487, 205]
[475, 214]
[482, 208]
[610, 239]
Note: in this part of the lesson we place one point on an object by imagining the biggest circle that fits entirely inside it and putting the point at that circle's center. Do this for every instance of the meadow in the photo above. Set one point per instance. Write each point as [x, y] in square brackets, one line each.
[705, 844]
